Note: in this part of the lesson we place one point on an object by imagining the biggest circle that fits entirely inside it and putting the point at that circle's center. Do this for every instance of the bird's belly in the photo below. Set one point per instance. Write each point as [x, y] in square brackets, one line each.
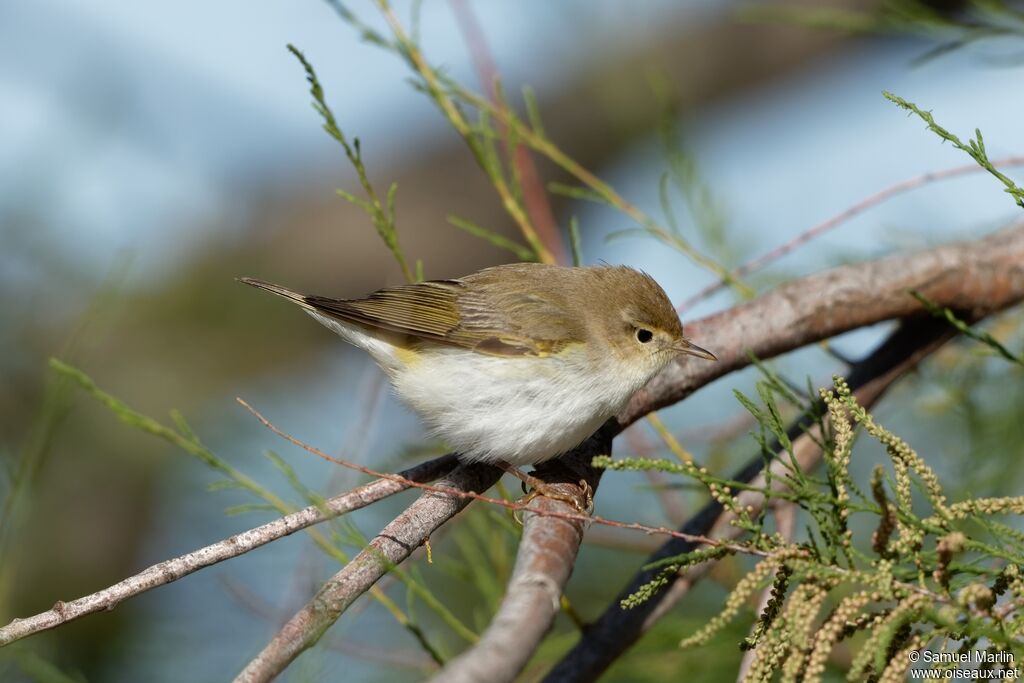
[516, 409]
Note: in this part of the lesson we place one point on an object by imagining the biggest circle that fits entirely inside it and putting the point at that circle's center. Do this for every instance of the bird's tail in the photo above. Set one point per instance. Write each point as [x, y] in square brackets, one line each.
[294, 297]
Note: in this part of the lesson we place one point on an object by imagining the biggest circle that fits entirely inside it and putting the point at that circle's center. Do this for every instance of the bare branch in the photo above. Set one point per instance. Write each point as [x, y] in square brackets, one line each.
[391, 546]
[183, 565]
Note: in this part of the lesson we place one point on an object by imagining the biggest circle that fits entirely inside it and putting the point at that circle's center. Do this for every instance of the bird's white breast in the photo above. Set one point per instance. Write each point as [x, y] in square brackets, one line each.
[520, 409]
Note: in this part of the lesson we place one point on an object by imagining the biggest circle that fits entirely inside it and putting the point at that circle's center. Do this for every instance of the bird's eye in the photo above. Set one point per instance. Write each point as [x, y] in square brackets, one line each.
[643, 336]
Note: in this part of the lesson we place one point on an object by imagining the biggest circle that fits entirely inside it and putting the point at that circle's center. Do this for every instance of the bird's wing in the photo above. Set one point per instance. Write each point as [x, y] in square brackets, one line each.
[483, 318]
[426, 309]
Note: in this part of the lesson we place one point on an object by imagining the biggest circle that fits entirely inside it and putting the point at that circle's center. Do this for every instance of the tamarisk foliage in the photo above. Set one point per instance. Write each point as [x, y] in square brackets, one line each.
[926, 573]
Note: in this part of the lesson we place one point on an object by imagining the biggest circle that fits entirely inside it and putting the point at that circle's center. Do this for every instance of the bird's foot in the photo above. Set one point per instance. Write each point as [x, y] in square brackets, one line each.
[582, 501]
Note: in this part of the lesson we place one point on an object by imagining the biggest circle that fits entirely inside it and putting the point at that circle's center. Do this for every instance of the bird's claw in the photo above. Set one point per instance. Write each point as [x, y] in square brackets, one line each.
[582, 502]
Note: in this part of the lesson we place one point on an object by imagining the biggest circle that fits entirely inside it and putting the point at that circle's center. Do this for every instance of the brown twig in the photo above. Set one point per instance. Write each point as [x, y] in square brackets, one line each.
[860, 207]
[554, 471]
[171, 570]
[386, 485]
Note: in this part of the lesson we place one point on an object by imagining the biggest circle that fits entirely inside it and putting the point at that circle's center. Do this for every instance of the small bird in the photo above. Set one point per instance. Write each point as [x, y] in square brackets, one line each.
[515, 364]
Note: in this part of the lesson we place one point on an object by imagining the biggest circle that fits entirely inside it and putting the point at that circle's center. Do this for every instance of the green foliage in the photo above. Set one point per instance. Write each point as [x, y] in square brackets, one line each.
[497, 121]
[933, 574]
[670, 566]
[974, 148]
[519, 251]
[968, 331]
[381, 213]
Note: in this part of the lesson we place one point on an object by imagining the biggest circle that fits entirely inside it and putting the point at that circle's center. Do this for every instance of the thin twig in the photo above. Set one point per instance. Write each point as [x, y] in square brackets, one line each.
[171, 570]
[391, 546]
[386, 485]
[471, 494]
[821, 228]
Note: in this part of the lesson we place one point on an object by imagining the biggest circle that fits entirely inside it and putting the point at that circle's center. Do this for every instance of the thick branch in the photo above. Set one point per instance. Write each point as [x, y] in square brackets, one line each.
[183, 565]
[391, 546]
[974, 277]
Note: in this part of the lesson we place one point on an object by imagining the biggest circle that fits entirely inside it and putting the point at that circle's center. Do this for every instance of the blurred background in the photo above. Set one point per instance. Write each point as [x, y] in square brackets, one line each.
[152, 153]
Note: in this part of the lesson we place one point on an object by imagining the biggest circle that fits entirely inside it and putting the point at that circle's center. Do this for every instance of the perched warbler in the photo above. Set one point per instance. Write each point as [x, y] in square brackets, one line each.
[517, 363]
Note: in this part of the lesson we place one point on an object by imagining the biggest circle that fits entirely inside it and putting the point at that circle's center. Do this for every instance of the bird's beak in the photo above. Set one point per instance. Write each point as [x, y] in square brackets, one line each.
[691, 349]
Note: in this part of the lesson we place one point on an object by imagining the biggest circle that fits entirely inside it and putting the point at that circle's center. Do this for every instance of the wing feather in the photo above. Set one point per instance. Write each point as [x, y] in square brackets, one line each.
[485, 318]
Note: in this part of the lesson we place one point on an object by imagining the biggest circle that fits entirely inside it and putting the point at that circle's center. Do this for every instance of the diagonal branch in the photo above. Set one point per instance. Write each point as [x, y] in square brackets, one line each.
[393, 544]
[976, 277]
[179, 567]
